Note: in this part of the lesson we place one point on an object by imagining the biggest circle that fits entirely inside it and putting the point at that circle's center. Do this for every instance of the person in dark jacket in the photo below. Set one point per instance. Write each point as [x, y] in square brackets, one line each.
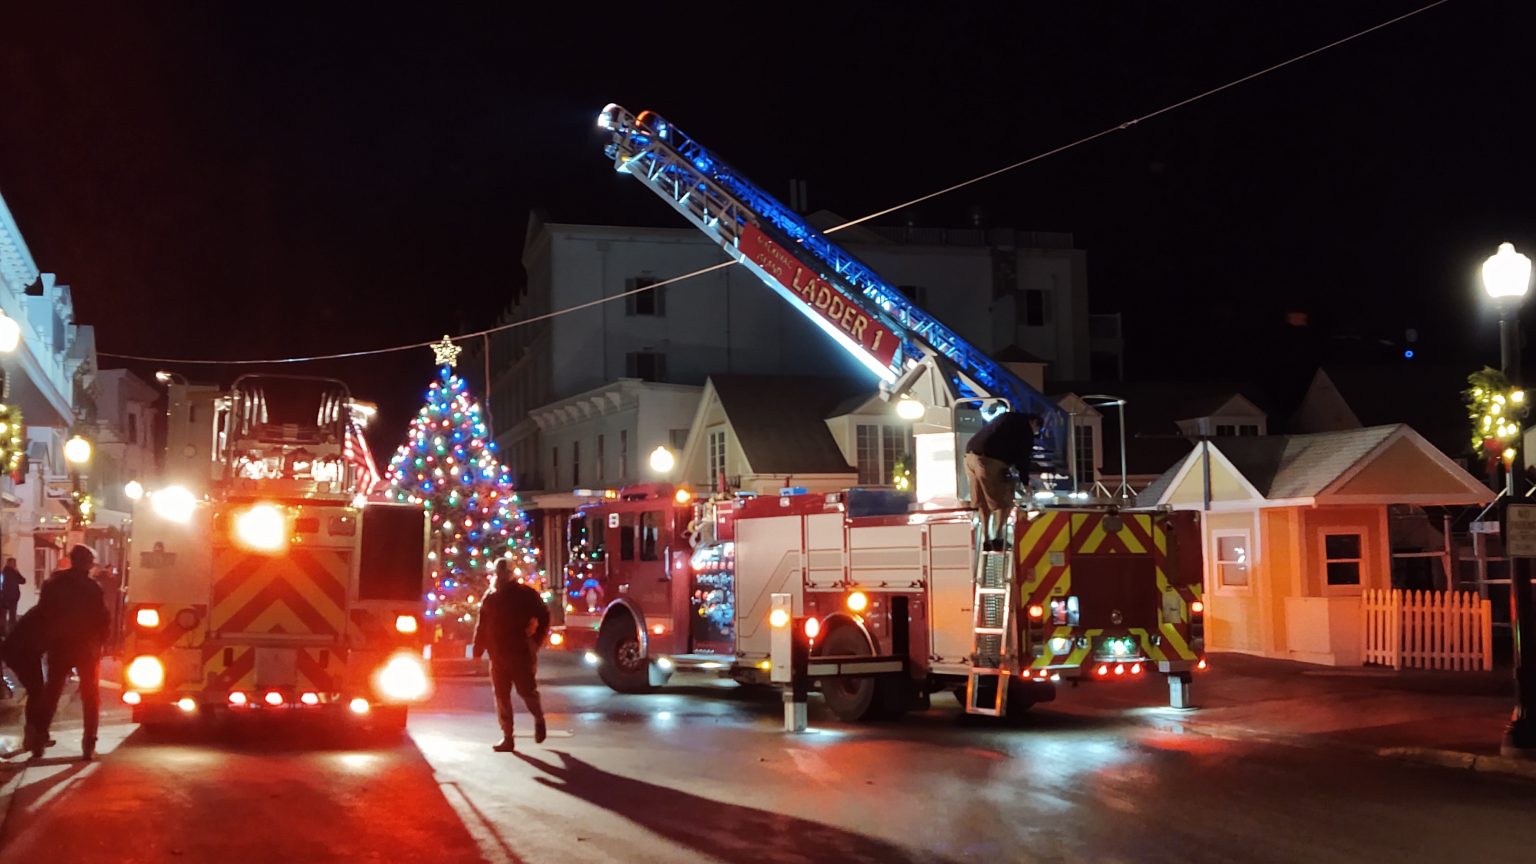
[1006, 442]
[11, 581]
[76, 619]
[512, 626]
[24, 646]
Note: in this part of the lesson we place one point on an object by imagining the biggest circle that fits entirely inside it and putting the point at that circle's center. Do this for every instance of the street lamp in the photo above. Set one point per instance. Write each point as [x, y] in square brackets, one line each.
[1507, 278]
[662, 460]
[10, 334]
[165, 377]
[77, 451]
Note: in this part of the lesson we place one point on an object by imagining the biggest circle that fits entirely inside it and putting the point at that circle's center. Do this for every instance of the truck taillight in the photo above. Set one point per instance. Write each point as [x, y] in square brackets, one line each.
[556, 639]
[1196, 607]
[406, 624]
[147, 617]
[146, 673]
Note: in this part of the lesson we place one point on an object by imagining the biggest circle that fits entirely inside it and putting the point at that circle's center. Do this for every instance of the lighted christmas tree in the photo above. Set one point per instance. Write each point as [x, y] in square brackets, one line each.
[448, 463]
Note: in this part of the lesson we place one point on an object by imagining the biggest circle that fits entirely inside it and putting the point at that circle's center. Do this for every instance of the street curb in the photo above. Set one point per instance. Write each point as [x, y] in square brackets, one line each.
[1505, 765]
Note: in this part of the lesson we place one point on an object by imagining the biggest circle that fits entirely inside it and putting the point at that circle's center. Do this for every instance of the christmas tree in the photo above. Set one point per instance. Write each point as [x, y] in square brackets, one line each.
[448, 463]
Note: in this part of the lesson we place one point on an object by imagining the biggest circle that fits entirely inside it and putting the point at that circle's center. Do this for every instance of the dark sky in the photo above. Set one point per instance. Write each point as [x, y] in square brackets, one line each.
[221, 180]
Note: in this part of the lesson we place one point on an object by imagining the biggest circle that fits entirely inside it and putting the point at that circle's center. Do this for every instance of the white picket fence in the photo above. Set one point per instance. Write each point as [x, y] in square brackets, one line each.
[1427, 629]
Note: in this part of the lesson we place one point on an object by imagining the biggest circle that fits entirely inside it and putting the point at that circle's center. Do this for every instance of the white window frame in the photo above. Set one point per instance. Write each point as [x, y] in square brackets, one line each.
[716, 450]
[1216, 581]
[1322, 556]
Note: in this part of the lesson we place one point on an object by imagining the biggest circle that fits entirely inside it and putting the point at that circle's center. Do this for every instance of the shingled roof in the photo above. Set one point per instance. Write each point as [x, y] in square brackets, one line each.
[1287, 466]
[780, 420]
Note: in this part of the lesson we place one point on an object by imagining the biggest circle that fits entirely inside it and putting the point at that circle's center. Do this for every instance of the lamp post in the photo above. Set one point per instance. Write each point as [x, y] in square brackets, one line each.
[1507, 278]
[1124, 489]
[77, 453]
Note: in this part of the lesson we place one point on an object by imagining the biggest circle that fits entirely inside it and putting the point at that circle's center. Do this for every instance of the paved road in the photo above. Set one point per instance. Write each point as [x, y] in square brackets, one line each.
[704, 774]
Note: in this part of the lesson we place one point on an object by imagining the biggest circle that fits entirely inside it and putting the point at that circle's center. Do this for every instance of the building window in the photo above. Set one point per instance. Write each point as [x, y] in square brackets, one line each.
[716, 455]
[877, 449]
[575, 464]
[1232, 560]
[647, 365]
[1248, 429]
[1341, 558]
[133, 428]
[554, 465]
[1035, 308]
[600, 475]
[648, 302]
[1224, 429]
[623, 454]
[1083, 451]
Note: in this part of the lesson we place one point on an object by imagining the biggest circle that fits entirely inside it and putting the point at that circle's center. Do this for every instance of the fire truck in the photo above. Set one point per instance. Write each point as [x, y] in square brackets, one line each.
[659, 582]
[266, 580]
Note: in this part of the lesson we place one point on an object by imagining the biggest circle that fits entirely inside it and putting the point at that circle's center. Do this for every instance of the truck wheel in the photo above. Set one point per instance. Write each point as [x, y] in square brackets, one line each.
[850, 699]
[620, 663]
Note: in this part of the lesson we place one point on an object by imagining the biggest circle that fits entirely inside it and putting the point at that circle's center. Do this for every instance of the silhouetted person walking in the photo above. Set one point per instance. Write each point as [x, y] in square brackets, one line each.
[11, 581]
[512, 626]
[76, 620]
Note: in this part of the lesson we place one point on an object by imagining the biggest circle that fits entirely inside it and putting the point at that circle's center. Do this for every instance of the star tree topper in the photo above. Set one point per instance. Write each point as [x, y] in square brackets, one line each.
[445, 351]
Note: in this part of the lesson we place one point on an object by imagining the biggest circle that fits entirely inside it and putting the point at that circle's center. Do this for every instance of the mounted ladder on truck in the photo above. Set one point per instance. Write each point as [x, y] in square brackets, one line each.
[911, 353]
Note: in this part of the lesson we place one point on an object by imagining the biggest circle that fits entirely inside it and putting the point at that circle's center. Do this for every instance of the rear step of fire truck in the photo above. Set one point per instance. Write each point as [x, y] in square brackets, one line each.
[986, 687]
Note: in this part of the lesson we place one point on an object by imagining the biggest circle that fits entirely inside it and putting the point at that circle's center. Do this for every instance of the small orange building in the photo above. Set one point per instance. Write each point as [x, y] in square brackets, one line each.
[1297, 526]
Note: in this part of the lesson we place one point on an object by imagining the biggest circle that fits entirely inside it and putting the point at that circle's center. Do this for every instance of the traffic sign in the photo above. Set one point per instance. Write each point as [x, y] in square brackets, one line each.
[1520, 539]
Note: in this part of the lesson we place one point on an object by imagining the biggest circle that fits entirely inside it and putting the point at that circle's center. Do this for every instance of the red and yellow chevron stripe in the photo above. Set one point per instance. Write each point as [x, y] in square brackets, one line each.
[1046, 549]
[301, 592]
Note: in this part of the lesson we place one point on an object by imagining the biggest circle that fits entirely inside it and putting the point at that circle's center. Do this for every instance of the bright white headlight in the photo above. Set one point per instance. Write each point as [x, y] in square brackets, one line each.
[174, 503]
[262, 527]
[403, 678]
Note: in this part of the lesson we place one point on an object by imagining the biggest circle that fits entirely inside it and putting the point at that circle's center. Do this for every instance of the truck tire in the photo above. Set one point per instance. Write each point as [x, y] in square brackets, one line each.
[620, 663]
[854, 700]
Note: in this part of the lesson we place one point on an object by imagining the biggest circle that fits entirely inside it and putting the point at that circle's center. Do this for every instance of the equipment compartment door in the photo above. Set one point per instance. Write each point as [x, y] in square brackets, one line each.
[711, 601]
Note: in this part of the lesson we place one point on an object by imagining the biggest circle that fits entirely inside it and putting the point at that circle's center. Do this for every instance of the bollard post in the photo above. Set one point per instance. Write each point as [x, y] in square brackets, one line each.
[1178, 689]
[800, 685]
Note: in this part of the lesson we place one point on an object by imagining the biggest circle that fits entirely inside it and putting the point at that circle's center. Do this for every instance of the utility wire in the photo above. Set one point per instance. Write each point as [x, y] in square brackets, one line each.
[1119, 127]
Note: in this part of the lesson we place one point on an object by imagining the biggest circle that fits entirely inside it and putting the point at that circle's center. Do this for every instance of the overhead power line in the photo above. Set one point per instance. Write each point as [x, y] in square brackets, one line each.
[1119, 127]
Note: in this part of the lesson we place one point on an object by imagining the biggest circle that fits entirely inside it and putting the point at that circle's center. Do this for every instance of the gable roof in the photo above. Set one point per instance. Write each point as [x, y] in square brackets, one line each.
[1288, 467]
[1428, 398]
[1153, 410]
[780, 420]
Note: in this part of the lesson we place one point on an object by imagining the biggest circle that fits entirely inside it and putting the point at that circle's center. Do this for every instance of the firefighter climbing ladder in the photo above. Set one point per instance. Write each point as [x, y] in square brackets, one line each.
[993, 645]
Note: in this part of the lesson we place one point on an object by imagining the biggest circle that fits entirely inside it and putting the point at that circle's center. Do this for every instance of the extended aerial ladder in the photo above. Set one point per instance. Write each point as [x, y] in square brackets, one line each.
[911, 352]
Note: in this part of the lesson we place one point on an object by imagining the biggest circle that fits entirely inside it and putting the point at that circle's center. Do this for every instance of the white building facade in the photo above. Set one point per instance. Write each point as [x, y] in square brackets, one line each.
[996, 288]
[49, 377]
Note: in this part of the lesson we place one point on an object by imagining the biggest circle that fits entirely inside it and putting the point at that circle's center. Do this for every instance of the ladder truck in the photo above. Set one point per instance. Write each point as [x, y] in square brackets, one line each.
[264, 578]
[904, 600]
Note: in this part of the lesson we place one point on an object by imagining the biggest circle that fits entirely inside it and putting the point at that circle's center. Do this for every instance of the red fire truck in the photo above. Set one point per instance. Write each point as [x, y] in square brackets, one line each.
[267, 580]
[659, 582]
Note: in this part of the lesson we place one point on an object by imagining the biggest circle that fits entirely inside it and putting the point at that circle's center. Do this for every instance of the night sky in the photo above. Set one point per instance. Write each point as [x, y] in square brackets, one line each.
[246, 180]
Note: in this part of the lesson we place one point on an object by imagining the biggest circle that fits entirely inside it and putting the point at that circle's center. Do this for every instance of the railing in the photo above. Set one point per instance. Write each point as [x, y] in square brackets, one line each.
[1449, 630]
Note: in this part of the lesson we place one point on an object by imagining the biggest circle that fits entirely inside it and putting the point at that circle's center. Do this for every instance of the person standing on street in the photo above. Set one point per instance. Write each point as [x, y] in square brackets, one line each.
[11, 581]
[1007, 441]
[512, 626]
[76, 619]
[23, 653]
